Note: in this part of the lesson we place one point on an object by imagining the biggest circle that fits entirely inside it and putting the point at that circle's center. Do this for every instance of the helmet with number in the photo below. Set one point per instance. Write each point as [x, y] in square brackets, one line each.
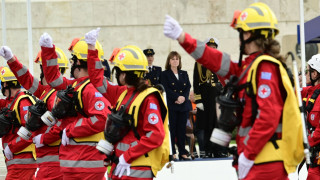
[62, 59]
[314, 62]
[258, 16]
[131, 58]
[79, 48]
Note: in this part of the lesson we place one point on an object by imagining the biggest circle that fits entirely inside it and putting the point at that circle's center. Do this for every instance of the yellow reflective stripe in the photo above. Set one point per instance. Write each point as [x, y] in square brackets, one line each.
[311, 100]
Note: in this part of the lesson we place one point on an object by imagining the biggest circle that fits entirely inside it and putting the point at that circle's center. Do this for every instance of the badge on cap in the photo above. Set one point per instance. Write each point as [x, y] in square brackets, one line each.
[211, 40]
[264, 91]
[99, 105]
[153, 118]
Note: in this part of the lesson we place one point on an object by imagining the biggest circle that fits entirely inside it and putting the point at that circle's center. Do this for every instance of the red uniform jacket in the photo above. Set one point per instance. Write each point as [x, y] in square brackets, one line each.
[15, 143]
[151, 131]
[46, 155]
[251, 136]
[78, 157]
[314, 115]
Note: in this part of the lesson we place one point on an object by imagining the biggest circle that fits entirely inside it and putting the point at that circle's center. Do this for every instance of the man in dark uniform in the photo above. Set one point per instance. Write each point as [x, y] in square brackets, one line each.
[153, 76]
[206, 88]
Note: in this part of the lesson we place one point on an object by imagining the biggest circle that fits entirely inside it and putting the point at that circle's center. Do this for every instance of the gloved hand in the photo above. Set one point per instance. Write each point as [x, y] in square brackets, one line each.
[122, 166]
[8, 153]
[171, 28]
[92, 36]
[37, 141]
[6, 53]
[244, 166]
[200, 106]
[65, 140]
[45, 40]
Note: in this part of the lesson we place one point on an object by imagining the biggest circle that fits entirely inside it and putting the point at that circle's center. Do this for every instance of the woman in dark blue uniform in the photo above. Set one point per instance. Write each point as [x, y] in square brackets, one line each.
[177, 85]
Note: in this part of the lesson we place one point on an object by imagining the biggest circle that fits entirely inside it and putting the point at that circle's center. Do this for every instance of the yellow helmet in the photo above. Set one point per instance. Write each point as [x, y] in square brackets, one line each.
[131, 58]
[258, 16]
[7, 75]
[80, 49]
[62, 58]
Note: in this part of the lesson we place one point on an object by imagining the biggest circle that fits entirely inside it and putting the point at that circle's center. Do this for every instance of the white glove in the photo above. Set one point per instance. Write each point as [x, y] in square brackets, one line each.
[92, 36]
[45, 40]
[122, 166]
[36, 140]
[200, 106]
[65, 140]
[6, 53]
[8, 153]
[244, 166]
[171, 28]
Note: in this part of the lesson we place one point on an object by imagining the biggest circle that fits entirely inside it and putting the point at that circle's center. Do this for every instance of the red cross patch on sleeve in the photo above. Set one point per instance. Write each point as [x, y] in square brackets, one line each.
[99, 105]
[264, 91]
[153, 118]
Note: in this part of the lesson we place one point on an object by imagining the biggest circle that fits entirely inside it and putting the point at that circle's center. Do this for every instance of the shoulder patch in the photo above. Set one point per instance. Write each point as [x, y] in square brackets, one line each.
[97, 94]
[153, 118]
[264, 91]
[99, 105]
[266, 75]
[153, 106]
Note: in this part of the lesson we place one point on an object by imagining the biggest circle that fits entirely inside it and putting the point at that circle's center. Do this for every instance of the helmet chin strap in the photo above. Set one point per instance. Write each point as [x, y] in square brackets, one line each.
[313, 81]
[254, 36]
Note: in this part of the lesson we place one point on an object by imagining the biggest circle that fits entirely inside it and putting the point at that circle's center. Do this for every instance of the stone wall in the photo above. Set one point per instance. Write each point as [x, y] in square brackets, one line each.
[140, 22]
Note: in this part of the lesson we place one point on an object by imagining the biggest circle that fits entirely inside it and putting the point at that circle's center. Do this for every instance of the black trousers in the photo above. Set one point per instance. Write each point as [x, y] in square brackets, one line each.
[178, 121]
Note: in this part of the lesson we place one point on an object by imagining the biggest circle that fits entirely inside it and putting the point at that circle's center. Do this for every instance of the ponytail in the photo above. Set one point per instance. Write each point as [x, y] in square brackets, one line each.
[271, 47]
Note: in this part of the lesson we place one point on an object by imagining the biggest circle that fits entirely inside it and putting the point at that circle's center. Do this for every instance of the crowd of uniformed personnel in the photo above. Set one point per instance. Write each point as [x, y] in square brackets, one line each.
[74, 127]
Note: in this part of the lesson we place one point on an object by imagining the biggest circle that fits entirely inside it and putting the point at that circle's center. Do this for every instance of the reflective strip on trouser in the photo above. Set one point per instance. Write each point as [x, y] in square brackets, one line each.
[21, 161]
[83, 164]
[103, 89]
[53, 158]
[73, 142]
[138, 173]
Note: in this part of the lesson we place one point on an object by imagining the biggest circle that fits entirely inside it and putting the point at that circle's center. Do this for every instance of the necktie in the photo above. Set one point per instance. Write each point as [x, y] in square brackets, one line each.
[149, 69]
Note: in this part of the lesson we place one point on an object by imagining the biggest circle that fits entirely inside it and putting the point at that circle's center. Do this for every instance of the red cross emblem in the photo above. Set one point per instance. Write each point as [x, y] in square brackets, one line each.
[153, 118]
[264, 91]
[99, 105]
[121, 56]
[244, 16]
[2, 72]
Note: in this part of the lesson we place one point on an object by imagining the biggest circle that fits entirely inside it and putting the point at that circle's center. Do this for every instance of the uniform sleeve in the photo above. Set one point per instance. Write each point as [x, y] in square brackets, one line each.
[165, 82]
[18, 143]
[51, 69]
[153, 128]
[270, 106]
[196, 86]
[212, 59]
[96, 107]
[25, 78]
[187, 88]
[95, 69]
[314, 138]
[52, 134]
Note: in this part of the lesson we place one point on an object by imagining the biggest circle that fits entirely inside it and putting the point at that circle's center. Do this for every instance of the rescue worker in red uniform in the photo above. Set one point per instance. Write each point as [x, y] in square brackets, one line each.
[269, 142]
[311, 103]
[139, 153]
[20, 154]
[79, 158]
[47, 155]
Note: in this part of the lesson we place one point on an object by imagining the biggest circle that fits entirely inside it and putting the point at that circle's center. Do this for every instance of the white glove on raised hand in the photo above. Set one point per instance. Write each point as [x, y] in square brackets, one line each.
[8, 153]
[200, 106]
[65, 140]
[244, 166]
[37, 141]
[46, 40]
[6, 53]
[171, 28]
[122, 166]
[92, 36]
